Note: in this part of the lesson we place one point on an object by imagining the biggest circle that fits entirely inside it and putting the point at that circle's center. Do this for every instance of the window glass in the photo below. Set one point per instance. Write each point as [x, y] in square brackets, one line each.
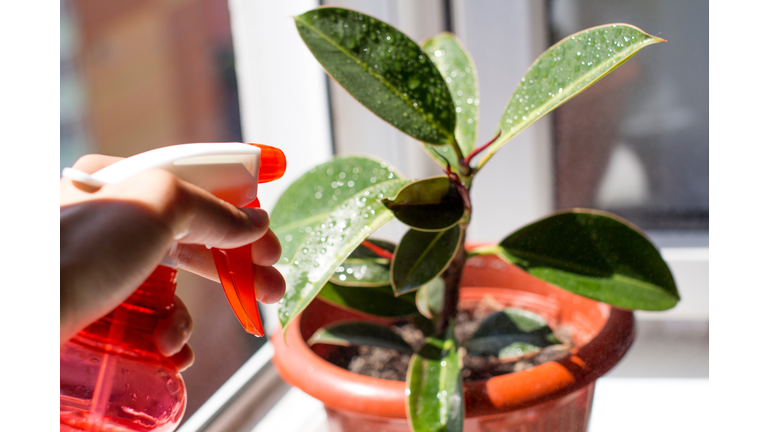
[637, 142]
[137, 75]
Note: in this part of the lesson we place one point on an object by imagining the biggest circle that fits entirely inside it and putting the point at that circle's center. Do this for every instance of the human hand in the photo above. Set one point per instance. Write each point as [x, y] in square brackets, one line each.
[172, 334]
[112, 238]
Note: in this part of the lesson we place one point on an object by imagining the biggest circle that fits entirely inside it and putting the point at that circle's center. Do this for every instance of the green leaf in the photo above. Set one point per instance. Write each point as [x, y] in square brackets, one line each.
[511, 333]
[310, 200]
[433, 386]
[330, 244]
[424, 324]
[429, 298]
[422, 256]
[383, 69]
[377, 301]
[432, 204]
[565, 70]
[595, 255]
[458, 70]
[360, 333]
[364, 268]
[516, 350]
[364, 272]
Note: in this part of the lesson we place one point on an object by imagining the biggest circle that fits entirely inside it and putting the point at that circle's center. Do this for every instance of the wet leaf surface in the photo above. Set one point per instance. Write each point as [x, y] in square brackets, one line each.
[364, 268]
[565, 70]
[458, 70]
[310, 200]
[383, 69]
[331, 242]
[433, 386]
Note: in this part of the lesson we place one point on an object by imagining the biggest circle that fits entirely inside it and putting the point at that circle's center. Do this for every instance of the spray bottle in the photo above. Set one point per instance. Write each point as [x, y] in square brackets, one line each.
[112, 376]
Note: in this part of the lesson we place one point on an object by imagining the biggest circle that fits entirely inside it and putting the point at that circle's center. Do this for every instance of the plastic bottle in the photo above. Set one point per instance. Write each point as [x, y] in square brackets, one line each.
[112, 376]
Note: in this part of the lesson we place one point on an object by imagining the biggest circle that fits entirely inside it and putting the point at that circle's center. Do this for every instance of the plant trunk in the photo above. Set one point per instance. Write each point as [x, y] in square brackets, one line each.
[452, 277]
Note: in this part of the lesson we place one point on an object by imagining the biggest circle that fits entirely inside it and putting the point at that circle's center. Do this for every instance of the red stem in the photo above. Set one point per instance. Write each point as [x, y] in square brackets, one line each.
[474, 152]
[377, 250]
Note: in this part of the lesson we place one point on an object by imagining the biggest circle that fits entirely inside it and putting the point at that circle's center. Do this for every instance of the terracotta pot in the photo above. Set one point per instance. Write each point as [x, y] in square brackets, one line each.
[554, 396]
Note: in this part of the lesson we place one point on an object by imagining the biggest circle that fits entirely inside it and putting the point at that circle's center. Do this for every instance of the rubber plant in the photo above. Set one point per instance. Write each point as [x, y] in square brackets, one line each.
[430, 92]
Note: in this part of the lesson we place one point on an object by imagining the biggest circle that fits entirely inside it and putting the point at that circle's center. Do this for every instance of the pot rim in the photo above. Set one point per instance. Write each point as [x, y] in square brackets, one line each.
[344, 390]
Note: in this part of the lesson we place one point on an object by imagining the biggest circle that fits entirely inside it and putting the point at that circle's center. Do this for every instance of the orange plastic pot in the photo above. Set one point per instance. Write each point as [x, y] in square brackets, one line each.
[554, 396]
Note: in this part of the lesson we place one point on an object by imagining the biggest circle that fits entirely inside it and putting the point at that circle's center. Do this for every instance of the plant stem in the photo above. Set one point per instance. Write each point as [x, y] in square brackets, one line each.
[463, 169]
[465, 162]
[377, 250]
[452, 277]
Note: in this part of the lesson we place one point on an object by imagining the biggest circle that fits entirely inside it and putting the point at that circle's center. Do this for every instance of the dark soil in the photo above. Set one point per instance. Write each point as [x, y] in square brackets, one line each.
[393, 365]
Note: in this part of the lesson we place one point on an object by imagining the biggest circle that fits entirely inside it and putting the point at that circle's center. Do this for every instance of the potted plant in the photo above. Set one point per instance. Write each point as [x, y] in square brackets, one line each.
[539, 315]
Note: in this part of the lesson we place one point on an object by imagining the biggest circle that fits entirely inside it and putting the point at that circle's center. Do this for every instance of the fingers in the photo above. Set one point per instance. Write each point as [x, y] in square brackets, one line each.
[94, 162]
[269, 284]
[191, 214]
[173, 332]
[268, 281]
[198, 260]
[266, 250]
[184, 358]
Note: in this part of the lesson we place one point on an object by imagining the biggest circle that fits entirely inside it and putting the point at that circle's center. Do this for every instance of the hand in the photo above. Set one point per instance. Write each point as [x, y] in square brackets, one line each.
[113, 237]
[172, 334]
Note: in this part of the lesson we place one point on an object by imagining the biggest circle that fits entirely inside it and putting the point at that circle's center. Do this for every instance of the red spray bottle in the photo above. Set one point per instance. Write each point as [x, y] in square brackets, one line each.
[112, 376]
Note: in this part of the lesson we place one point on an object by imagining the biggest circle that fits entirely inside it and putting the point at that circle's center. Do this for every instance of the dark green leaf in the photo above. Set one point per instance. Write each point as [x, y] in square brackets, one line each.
[511, 333]
[422, 256]
[433, 386]
[458, 70]
[330, 244]
[424, 324]
[428, 205]
[310, 200]
[360, 333]
[595, 255]
[429, 298]
[383, 69]
[565, 70]
[378, 301]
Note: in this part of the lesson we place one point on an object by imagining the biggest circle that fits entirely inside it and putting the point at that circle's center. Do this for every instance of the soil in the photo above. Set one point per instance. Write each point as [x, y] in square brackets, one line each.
[392, 365]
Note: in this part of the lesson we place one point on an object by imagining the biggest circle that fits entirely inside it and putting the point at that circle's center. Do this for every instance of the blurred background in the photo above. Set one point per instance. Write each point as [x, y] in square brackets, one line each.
[643, 131]
[137, 75]
[140, 74]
